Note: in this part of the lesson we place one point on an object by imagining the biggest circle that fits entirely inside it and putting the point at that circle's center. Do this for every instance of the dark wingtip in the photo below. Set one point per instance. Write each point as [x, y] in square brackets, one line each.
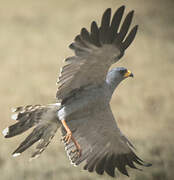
[85, 34]
[94, 23]
[132, 12]
[108, 10]
[126, 25]
[106, 17]
[72, 46]
[105, 23]
[83, 30]
[136, 27]
[130, 37]
[121, 8]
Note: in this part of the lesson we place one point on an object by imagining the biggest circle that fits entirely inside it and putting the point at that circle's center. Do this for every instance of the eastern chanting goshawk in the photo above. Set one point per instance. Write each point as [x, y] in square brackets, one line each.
[85, 87]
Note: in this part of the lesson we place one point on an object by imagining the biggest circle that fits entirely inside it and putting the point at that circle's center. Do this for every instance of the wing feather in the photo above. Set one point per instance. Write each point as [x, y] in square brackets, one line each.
[95, 52]
[104, 30]
[104, 147]
[130, 37]
[85, 35]
[116, 22]
[95, 34]
[125, 26]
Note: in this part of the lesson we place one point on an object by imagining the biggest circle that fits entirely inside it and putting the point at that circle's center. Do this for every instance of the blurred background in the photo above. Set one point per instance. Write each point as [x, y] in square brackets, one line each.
[34, 39]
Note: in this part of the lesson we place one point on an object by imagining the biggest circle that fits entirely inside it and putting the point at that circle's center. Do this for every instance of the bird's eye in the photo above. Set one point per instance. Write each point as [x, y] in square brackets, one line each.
[122, 72]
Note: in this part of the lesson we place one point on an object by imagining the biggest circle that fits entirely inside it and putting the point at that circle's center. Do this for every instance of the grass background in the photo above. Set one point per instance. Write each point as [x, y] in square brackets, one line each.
[34, 38]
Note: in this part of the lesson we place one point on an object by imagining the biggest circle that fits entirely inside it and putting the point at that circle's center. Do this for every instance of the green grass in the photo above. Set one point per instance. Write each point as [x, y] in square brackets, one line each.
[34, 38]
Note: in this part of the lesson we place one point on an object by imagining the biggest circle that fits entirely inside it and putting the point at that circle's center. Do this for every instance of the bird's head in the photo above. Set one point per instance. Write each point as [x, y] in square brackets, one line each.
[116, 75]
[119, 74]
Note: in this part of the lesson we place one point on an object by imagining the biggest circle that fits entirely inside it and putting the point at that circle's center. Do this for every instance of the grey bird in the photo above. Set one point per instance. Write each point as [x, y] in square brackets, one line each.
[85, 87]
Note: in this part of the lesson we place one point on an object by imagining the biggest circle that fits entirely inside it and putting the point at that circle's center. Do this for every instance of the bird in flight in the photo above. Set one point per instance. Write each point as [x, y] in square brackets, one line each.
[85, 87]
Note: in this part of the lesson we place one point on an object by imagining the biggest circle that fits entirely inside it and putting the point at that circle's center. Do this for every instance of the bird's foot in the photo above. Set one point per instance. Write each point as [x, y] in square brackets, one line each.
[67, 139]
[78, 149]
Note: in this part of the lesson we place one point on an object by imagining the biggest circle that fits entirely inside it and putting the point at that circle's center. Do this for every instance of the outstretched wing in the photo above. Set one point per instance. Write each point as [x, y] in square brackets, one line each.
[104, 147]
[46, 123]
[95, 52]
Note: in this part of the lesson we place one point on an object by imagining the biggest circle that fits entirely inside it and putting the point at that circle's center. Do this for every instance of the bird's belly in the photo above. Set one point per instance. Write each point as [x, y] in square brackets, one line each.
[86, 102]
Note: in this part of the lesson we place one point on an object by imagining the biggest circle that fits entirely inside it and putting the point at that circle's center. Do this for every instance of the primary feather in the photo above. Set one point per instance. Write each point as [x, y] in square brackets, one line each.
[95, 52]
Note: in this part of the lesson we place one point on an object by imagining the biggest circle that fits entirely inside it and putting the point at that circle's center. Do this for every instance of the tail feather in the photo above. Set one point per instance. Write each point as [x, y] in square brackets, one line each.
[46, 123]
[27, 117]
[19, 128]
[45, 139]
[36, 135]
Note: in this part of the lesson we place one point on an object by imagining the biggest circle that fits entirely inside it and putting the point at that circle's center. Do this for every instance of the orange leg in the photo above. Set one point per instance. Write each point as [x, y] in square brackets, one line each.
[69, 137]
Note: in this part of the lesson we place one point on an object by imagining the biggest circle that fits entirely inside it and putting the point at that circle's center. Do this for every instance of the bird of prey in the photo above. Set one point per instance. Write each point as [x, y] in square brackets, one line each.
[85, 87]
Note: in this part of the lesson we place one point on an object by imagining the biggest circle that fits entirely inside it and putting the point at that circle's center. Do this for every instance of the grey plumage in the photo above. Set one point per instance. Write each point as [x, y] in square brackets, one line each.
[104, 147]
[46, 123]
[85, 88]
[95, 52]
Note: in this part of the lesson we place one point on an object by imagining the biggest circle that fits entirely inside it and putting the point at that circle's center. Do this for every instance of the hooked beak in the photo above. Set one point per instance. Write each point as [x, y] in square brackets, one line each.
[128, 74]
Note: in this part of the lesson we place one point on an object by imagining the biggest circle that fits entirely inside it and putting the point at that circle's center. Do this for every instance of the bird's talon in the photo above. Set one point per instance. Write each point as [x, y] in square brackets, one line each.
[79, 152]
[73, 151]
[67, 137]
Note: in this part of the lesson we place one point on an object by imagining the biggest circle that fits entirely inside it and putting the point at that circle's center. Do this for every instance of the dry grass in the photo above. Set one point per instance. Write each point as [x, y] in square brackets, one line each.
[33, 42]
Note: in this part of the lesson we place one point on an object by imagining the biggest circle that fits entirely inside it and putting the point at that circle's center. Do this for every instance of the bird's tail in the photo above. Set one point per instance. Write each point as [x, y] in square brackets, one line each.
[46, 123]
